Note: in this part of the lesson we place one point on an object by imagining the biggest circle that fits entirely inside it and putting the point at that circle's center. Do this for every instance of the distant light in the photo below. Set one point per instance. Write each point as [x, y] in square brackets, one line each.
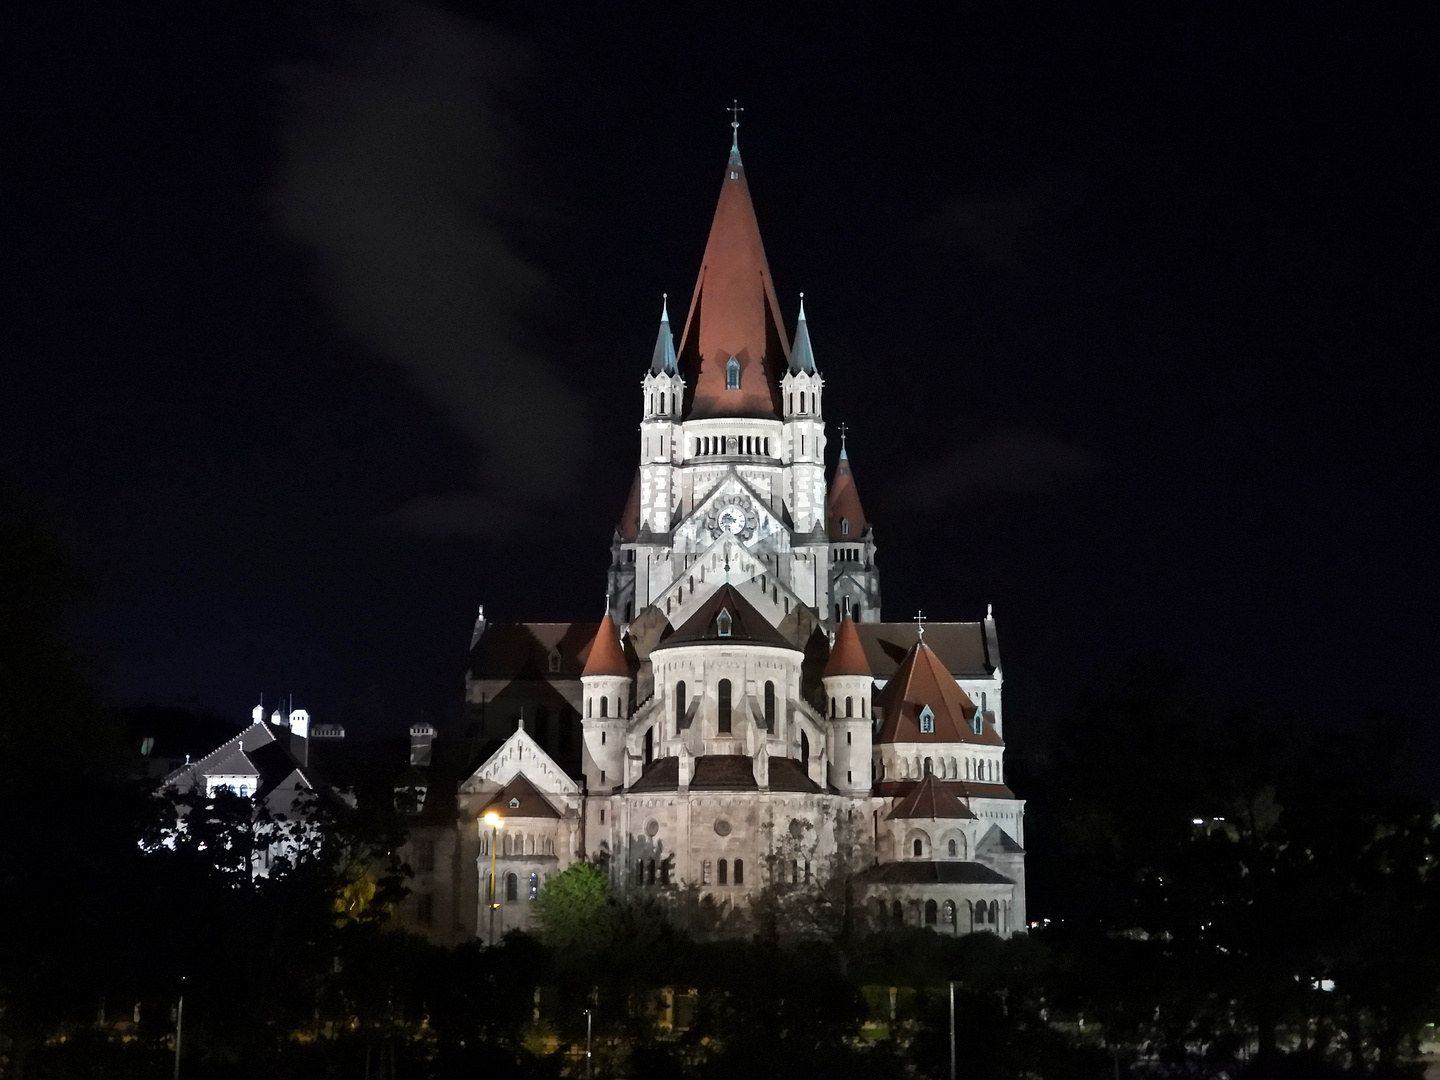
[493, 819]
[1197, 821]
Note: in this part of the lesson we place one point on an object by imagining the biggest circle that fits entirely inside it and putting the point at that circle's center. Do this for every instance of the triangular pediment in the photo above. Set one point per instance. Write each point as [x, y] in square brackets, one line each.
[520, 755]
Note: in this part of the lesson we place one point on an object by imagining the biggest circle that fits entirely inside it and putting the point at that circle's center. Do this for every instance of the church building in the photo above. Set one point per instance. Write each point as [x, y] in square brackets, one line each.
[742, 727]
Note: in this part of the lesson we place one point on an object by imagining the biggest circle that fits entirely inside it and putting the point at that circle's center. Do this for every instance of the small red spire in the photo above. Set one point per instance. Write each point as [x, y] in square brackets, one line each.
[847, 656]
[846, 517]
[606, 656]
[734, 314]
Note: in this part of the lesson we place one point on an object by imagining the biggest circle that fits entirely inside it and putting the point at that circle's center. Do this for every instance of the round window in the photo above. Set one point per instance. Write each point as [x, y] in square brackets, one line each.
[722, 827]
[652, 827]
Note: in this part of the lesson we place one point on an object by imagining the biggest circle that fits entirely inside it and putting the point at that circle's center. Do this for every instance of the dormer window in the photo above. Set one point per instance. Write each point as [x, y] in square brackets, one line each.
[514, 804]
[732, 374]
[722, 623]
[977, 721]
[554, 661]
[844, 526]
[927, 721]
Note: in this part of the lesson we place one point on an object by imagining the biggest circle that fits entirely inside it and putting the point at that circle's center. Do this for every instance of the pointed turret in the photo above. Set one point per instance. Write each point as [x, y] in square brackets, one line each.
[847, 655]
[663, 361]
[802, 356]
[849, 688]
[606, 656]
[846, 515]
[734, 315]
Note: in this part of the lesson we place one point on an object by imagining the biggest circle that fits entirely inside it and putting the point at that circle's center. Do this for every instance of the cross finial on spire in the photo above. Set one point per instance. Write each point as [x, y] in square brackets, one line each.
[844, 428]
[735, 110]
[920, 624]
[664, 307]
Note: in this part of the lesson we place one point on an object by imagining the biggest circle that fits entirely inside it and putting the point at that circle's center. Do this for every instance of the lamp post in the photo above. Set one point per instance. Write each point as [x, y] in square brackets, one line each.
[589, 1019]
[494, 820]
[952, 1030]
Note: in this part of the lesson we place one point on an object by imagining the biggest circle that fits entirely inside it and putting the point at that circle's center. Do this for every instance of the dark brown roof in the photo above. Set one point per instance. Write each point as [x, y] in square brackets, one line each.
[844, 504]
[724, 772]
[606, 657]
[522, 650]
[930, 799]
[961, 647]
[662, 774]
[932, 873]
[922, 681]
[734, 314]
[532, 803]
[847, 656]
[961, 789]
[746, 624]
[787, 774]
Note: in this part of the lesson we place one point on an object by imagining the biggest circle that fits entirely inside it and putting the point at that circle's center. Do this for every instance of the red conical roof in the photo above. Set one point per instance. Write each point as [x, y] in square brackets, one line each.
[734, 313]
[847, 657]
[606, 657]
[630, 517]
[844, 504]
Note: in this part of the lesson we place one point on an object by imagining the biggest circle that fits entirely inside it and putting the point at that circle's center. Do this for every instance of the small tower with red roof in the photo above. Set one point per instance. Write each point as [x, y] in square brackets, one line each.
[854, 575]
[849, 690]
[606, 683]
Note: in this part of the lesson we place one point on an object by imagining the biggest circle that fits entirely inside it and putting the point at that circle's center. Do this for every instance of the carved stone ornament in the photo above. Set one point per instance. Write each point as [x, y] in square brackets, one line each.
[734, 514]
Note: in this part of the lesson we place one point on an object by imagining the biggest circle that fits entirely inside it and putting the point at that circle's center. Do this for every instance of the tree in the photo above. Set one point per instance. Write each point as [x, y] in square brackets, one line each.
[574, 910]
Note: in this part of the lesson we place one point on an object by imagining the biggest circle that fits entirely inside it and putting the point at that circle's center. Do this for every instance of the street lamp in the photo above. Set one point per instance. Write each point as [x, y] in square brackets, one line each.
[494, 820]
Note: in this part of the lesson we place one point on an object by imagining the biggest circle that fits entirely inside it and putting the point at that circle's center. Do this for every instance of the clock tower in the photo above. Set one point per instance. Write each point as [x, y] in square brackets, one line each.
[731, 485]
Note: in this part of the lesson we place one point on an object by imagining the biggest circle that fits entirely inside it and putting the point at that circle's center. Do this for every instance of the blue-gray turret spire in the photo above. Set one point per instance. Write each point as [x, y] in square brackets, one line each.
[802, 356]
[663, 362]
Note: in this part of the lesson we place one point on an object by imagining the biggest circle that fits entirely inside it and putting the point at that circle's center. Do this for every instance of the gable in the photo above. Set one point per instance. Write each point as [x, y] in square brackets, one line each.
[520, 755]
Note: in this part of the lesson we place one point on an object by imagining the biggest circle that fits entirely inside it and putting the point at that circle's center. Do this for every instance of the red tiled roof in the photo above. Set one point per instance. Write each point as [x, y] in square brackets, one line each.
[920, 681]
[606, 657]
[962, 647]
[630, 518]
[847, 655]
[734, 313]
[843, 505]
[930, 799]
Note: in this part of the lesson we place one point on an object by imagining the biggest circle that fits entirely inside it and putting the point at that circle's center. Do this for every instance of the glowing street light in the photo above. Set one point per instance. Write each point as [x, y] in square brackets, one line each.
[494, 820]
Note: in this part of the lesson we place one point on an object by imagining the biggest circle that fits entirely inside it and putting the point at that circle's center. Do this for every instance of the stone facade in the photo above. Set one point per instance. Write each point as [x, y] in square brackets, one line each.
[742, 730]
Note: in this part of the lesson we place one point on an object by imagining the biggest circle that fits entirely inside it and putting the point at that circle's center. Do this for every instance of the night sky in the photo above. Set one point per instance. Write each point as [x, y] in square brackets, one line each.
[327, 322]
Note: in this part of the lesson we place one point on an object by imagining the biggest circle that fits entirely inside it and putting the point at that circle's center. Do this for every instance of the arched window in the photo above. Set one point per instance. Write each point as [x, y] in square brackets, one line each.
[954, 849]
[604, 707]
[739, 871]
[849, 706]
[705, 872]
[897, 913]
[732, 374]
[949, 912]
[512, 887]
[770, 707]
[804, 748]
[994, 913]
[589, 707]
[932, 913]
[723, 623]
[679, 705]
[844, 526]
[833, 707]
[724, 706]
[650, 872]
[640, 872]
[929, 766]
[919, 847]
[664, 871]
[721, 869]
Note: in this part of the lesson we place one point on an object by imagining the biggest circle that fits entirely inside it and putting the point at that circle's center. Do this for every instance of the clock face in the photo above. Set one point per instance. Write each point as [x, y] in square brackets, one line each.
[732, 520]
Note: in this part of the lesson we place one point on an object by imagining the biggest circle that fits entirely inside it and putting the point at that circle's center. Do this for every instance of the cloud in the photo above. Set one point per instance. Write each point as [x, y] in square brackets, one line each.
[1007, 461]
[395, 173]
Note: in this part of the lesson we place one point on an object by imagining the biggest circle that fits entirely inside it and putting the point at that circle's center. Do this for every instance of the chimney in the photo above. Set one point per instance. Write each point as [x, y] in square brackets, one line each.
[422, 738]
[300, 736]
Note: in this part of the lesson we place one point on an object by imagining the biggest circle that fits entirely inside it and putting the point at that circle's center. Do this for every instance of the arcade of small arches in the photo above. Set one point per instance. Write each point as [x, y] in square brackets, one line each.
[730, 445]
[981, 770]
[509, 887]
[952, 845]
[518, 843]
[976, 915]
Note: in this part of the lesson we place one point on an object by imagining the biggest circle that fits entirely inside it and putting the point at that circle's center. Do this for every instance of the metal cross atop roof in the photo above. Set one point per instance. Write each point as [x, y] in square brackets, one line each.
[735, 110]
[920, 624]
[843, 429]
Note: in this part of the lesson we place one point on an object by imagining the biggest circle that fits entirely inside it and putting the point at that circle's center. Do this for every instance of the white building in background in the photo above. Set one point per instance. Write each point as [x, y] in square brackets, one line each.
[742, 726]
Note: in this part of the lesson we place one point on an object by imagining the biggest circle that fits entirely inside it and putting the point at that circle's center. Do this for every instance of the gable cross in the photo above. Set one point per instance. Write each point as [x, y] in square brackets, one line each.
[844, 428]
[920, 624]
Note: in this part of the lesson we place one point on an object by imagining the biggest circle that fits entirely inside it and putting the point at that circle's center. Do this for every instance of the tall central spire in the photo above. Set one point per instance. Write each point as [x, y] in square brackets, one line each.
[734, 314]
